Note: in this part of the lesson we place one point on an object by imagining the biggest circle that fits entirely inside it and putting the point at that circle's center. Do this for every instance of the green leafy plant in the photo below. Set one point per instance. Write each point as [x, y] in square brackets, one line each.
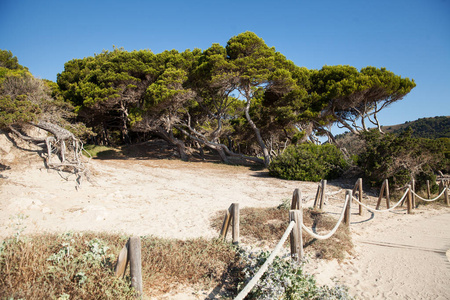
[308, 162]
[285, 279]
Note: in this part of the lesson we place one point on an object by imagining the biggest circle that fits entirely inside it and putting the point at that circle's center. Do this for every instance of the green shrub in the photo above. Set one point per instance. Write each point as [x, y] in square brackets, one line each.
[401, 158]
[308, 162]
[285, 279]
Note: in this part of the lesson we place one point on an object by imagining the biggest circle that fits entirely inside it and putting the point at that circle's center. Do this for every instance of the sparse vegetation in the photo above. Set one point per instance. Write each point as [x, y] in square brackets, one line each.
[79, 266]
[267, 225]
[285, 279]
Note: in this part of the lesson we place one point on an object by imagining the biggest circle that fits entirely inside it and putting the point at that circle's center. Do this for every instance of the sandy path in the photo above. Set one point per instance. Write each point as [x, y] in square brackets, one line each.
[396, 256]
[163, 198]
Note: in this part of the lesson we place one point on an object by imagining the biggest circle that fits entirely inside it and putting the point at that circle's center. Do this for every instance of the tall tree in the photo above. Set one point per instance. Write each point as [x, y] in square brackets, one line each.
[108, 87]
[25, 101]
[347, 96]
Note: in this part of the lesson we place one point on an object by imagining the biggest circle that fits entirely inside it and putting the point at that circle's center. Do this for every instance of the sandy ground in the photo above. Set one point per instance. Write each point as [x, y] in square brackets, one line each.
[396, 256]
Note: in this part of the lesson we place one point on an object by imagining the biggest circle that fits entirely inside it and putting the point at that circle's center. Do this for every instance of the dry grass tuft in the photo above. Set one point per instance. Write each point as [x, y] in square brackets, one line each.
[262, 226]
[50, 266]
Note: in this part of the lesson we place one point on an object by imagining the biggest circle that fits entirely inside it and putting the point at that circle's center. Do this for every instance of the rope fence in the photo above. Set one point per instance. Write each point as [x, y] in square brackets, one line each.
[383, 210]
[296, 224]
[431, 200]
[333, 231]
[266, 264]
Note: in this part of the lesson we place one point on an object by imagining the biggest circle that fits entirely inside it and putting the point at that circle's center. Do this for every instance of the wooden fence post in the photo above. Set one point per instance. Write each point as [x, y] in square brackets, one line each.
[296, 198]
[387, 194]
[122, 261]
[413, 196]
[358, 188]
[296, 238]
[441, 186]
[381, 194]
[446, 196]
[322, 195]
[348, 208]
[235, 233]
[409, 199]
[134, 251]
[226, 223]
[428, 189]
[319, 189]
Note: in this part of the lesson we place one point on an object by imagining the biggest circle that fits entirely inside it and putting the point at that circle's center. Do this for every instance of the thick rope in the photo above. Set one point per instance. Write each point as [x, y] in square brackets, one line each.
[266, 264]
[430, 200]
[383, 210]
[328, 235]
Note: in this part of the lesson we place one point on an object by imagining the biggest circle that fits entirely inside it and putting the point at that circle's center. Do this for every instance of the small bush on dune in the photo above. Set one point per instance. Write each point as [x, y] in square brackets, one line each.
[308, 162]
[285, 279]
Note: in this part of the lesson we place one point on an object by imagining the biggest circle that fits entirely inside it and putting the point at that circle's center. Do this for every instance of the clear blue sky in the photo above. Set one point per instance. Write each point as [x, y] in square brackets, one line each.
[410, 38]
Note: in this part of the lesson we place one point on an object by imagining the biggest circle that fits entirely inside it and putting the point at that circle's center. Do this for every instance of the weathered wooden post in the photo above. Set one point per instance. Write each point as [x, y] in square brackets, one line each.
[235, 233]
[388, 200]
[296, 238]
[226, 223]
[134, 252]
[319, 189]
[358, 187]
[441, 186]
[381, 194]
[428, 189]
[348, 208]
[383, 187]
[409, 199]
[122, 261]
[446, 196]
[296, 198]
[322, 195]
[413, 190]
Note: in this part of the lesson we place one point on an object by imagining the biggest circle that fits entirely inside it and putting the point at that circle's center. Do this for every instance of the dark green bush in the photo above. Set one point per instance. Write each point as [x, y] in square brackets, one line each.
[399, 158]
[308, 162]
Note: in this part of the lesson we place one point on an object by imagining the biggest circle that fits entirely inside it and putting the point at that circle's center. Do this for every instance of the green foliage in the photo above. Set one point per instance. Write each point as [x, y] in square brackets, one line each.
[16, 111]
[285, 279]
[308, 162]
[430, 128]
[401, 158]
[9, 61]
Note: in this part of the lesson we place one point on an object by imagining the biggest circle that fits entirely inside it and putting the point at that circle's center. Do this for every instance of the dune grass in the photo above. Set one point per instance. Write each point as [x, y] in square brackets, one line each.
[80, 266]
[262, 226]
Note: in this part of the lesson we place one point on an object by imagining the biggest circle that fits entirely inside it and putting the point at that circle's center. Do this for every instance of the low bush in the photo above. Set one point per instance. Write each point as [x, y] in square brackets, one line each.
[285, 279]
[308, 162]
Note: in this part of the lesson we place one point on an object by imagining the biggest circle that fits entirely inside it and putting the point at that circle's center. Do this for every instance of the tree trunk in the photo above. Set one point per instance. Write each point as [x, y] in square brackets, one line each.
[257, 133]
[168, 137]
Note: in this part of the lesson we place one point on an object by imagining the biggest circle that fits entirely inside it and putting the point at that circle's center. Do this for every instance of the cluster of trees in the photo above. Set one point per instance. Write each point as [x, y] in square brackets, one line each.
[401, 157]
[244, 100]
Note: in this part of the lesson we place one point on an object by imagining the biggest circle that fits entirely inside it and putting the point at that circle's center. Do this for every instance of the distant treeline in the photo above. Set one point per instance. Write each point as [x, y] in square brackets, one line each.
[430, 128]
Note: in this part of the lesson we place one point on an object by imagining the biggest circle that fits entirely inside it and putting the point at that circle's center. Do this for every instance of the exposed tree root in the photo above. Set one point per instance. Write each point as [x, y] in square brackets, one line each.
[64, 151]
